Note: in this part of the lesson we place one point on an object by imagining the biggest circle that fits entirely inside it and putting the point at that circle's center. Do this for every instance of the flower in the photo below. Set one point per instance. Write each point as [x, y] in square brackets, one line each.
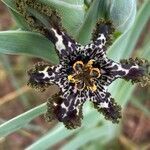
[84, 73]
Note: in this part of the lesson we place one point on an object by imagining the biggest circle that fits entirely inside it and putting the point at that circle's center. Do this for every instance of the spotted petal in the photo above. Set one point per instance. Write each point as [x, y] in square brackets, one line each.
[111, 110]
[64, 45]
[91, 51]
[66, 108]
[138, 70]
[42, 75]
[106, 105]
[102, 35]
[103, 32]
[112, 70]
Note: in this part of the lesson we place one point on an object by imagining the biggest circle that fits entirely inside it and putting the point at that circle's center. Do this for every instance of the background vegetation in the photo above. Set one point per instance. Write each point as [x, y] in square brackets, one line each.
[21, 108]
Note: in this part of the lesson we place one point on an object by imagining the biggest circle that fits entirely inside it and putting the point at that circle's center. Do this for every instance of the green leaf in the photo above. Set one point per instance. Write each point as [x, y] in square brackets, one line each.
[29, 43]
[123, 47]
[88, 25]
[72, 15]
[91, 119]
[75, 2]
[51, 138]
[122, 13]
[88, 135]
[21, 120]
[125, 91]
[145, 51]
[137, 28]
[60, 132]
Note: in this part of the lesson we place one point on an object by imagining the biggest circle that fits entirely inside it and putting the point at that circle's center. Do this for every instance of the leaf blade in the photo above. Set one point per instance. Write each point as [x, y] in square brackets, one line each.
[29, 43]
[128, 40]
[21, 120]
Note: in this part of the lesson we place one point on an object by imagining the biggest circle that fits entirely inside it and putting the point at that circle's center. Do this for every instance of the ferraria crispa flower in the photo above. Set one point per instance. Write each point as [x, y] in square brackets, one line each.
[84, 72]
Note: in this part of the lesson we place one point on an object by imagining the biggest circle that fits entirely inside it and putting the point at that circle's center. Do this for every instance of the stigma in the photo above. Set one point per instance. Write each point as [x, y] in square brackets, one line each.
[84, 74]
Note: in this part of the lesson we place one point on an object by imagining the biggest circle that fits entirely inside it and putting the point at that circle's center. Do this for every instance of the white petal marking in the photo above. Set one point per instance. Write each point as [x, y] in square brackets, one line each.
[103, 105]
[59, 44]
[45, 72]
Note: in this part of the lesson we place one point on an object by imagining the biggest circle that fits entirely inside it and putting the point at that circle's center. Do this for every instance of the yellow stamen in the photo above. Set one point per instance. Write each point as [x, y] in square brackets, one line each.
[71, 79]
[90, 63]
[93, 88]
[97, 71]
[77, 63]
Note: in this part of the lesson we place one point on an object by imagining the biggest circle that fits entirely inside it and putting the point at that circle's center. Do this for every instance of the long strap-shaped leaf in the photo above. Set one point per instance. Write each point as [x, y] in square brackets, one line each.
[88, 25]
[21, 120]
[29, 43]
[60, 132]
[125, 44]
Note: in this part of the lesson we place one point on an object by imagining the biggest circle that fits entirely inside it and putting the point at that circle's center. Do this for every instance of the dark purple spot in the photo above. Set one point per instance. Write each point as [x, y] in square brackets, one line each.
[103, 41]
[134, 73]
[64, 52]
[120, 73]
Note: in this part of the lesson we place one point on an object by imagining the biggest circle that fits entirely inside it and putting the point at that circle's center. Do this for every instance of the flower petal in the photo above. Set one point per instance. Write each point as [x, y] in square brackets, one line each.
[64, 44]
[107, 71]
[111, 110]
[106, 105]
[112, 70]
[43, 75]
[91, 51]
[103, 32]
[138, 71]
[102, 35]
[66, 108]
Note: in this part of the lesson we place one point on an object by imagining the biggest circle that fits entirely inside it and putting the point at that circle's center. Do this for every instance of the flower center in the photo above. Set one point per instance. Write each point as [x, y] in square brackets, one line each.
[84, 75]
